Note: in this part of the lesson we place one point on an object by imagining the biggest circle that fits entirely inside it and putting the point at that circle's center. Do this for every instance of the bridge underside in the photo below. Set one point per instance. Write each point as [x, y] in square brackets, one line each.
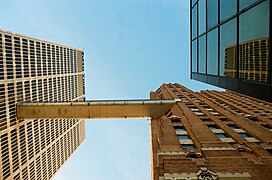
[94, 109]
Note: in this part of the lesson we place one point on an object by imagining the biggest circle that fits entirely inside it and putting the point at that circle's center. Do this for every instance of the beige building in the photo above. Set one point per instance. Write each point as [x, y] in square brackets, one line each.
[37, 70]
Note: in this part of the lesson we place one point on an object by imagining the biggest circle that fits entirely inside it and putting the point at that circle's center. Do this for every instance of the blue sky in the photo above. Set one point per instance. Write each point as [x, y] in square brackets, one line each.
[131, 47]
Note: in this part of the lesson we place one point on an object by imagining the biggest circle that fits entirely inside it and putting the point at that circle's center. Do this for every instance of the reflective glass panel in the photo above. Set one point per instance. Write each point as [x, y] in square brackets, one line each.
[212, 13]
[212, 52]
[228, 38]
[202, 55]
[245, 3]
[254, 46]
[202, 16]
[194, 56]
[194, 22]
[227, 9]
[193, 2]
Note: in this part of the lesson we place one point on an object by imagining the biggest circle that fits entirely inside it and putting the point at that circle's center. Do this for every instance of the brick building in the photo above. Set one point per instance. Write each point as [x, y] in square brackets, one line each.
[211, 134]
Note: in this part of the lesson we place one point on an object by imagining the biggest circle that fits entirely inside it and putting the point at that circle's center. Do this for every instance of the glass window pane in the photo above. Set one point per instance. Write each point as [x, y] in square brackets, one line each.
[253, 47]
[212, 52]
[194, 56]
[193, 2]
[245, 3]
[228, 37]
[183, 136]
[221, 135]
[202, 55]
[194, 22]
[227, 9]
[202, 16]
[212, 13]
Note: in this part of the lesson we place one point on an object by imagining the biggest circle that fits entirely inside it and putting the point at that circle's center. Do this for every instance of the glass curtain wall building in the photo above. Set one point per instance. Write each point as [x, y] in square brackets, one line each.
[230, 45]
[37, 70]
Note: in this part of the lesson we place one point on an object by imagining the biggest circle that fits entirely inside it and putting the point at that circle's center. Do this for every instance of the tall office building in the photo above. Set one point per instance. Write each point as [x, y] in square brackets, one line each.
[230, 45]
[37, 70]
[211, 135]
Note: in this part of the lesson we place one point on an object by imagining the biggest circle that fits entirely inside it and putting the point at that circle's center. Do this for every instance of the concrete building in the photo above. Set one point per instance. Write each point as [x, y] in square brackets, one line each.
[37, 70]
[230, 45]
[211, 135]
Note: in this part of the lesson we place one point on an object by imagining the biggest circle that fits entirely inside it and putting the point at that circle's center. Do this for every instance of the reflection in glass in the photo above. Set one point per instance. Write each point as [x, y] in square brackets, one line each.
[253, 47]
[194, 56]
[202, 16]
[202, 55]
[212, 52]
[194, 22]
[228, 37]
[212, 13]
[245, 3]
[227, 9]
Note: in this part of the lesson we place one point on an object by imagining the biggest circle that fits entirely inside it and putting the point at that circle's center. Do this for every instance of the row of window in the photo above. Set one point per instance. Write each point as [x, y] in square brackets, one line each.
[30, 145]
[51, 89]
[237, 48]
[29, 58]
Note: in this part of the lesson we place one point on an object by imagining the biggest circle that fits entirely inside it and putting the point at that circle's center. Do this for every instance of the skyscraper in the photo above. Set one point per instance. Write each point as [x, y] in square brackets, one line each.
[211, 135]
[37, 70]
[230, 45]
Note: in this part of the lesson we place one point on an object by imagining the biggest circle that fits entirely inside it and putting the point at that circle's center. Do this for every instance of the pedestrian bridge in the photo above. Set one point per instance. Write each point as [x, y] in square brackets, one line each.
[143, 108]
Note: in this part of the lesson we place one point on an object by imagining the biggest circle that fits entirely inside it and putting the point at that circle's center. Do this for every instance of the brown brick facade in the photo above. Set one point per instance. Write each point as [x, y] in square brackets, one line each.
[220, 135]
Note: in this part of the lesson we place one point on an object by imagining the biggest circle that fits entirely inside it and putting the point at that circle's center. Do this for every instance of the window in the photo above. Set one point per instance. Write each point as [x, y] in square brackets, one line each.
[212, 52]
[244, 135]
[233, 126]
[221, 135]
[212, 126]
[253, 39]
[187, 146]
[212, 13]
[182, 137]
[194, 56]
[228, 48]
[202, 16]
[179, 128]
[194, 22]
[202, 55]
[227, 8]
[267, 126]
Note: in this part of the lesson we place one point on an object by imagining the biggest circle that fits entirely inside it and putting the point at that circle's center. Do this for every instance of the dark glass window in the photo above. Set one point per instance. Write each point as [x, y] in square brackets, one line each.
[244, 135]
[183, 136]
[194, 56]
[179, 128]
[187, 146]
[212, 52]
[202, 55]
[228, 38]
[253, 39]
[246, 3]
[221, 135]
[194, 22]
[212, 13]
[201, 16]
[227, 9]
[212, 126]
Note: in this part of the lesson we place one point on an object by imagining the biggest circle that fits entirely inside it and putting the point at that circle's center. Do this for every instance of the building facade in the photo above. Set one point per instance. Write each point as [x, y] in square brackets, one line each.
[230, 45]
[211, 135]
[37, 70]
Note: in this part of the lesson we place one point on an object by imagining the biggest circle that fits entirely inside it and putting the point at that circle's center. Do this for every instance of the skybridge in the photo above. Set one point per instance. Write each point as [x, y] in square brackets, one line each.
[143, 108]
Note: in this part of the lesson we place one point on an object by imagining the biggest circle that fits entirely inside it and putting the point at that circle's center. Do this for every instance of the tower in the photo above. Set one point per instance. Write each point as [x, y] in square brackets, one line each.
[37, 70]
